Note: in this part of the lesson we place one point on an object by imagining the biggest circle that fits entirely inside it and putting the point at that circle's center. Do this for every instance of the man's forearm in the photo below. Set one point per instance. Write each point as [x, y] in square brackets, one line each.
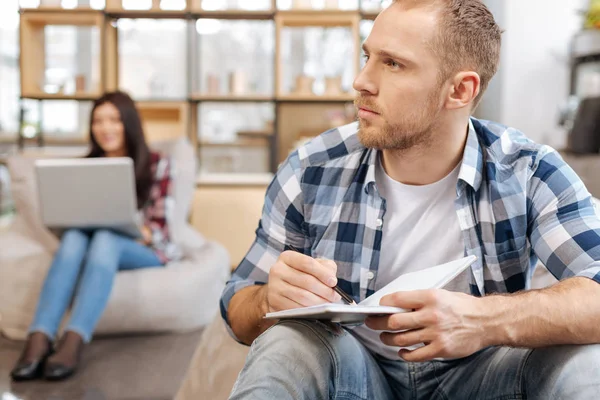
[246, 311]
[566, 313]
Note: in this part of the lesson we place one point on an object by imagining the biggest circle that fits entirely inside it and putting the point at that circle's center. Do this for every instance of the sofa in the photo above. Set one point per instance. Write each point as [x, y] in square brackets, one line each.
[218, 359]
[179, 297]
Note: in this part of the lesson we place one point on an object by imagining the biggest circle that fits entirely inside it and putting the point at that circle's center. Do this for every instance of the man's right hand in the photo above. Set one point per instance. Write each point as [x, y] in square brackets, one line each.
[297, 280]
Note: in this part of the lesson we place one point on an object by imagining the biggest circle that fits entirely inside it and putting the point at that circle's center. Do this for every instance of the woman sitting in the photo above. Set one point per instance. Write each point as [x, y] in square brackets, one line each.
[87, 261]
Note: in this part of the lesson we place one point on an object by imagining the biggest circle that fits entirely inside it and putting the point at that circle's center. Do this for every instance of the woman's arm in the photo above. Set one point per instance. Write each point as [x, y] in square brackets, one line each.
[158, 212]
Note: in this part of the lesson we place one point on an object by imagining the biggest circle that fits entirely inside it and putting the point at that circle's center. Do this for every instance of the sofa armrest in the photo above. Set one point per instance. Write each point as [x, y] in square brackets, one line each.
[16, 244]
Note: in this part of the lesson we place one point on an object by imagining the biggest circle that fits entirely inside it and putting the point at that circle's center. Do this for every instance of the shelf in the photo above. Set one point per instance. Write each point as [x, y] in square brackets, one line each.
[58, 96]
[317, 18]
[246, 142]
[326, 12]
[235, 14]
[164, 120]
[33, 51]
[315, 99]
[66, 140]
[160, 14]
[233, 179]
[50, 9]
[232, 99]
[369, 15]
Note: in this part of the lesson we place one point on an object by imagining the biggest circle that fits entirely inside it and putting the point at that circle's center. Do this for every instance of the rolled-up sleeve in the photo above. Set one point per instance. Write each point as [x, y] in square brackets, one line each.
[281, 225]
[564, 229]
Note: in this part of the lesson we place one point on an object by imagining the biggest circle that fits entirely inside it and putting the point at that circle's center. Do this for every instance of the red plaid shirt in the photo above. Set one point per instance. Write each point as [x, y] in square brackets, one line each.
[158, 212]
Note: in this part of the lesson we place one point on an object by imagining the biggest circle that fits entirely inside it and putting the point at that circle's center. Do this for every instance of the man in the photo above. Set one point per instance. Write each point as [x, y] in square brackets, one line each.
[415, 184]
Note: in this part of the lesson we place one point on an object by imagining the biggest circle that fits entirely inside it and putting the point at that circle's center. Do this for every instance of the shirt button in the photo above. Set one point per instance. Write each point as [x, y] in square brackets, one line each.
[370, 275]
[379, 222]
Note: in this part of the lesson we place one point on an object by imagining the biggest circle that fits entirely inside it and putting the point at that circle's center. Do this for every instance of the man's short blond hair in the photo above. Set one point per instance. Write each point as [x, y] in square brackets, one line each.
[468, 38]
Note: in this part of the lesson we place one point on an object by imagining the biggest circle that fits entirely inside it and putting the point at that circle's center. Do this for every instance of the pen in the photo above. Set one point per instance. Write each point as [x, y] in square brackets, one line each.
[345, 296]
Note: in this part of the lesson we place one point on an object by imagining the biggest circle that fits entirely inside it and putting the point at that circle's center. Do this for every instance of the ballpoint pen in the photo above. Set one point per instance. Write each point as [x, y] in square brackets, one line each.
[345, 296]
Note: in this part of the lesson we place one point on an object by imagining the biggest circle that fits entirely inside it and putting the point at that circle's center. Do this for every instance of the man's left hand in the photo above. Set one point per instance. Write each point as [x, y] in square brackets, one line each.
[450, 324]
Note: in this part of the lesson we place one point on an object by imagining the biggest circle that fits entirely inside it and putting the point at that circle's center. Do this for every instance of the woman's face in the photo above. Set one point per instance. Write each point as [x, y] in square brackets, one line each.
[108, 130]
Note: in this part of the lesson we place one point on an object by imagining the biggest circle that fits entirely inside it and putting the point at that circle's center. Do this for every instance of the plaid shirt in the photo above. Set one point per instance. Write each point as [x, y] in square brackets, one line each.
[158, 211]
[516, 202]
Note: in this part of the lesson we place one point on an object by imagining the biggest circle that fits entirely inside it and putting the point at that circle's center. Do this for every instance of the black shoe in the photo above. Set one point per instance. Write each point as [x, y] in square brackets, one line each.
[29, 370]
[58, 372]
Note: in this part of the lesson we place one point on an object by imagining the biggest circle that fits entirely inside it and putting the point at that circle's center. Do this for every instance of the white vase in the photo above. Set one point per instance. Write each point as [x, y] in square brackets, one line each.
[237, 83]
[332, 4]
[302, 4]
[304, 85]
[50, 3]
[333, 86]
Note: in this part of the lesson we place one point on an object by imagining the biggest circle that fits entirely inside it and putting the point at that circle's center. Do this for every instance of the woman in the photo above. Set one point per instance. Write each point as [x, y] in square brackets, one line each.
[85, 266]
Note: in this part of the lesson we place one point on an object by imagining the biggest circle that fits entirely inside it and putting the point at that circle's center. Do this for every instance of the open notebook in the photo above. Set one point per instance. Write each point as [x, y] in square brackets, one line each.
[430, 278]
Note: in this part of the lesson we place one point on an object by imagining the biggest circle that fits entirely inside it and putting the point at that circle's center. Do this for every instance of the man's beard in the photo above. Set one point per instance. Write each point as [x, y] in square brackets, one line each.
[414, 130]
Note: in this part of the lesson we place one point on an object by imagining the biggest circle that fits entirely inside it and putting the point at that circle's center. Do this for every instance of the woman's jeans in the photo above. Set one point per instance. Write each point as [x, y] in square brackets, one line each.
[83, 271]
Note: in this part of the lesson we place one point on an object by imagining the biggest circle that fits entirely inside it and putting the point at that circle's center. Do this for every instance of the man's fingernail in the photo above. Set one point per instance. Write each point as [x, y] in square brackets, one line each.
[332, 281]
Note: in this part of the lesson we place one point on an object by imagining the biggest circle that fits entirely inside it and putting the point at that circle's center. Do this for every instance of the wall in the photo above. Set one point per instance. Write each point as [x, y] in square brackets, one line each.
[534, 73]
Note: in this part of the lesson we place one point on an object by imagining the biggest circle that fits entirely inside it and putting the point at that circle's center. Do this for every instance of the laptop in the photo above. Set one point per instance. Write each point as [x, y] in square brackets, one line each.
[89, 193]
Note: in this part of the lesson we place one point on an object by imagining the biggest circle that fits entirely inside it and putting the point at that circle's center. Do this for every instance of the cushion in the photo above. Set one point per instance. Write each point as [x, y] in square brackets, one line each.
[26, 200]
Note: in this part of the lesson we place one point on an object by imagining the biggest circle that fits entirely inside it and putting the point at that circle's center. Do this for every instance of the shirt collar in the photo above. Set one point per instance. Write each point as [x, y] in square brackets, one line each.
[471, 165]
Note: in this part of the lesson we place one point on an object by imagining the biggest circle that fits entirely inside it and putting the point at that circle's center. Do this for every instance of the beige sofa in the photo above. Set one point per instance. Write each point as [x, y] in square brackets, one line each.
[182, 296]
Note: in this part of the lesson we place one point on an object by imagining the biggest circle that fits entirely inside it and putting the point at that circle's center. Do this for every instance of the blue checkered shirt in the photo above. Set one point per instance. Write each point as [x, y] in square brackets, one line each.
[516, 202]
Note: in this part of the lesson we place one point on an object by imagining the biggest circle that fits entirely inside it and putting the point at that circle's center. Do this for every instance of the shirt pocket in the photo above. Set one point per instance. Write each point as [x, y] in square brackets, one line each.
[506, 272]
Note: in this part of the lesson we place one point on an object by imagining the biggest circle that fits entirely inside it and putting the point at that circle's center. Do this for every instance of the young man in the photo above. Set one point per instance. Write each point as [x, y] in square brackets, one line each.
[416, 183]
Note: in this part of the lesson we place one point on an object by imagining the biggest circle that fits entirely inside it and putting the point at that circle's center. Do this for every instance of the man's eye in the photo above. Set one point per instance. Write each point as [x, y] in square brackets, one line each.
[393, 64]
[365, 57]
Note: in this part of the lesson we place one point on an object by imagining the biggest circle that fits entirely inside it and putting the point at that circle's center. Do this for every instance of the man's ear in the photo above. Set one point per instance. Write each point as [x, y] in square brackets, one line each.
[465, 88]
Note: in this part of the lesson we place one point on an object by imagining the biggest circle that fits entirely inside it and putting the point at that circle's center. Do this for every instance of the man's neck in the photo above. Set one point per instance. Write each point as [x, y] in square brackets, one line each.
[431, 162]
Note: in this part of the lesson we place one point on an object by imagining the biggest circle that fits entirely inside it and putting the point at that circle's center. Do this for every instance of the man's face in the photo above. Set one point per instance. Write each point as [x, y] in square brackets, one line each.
[400, 94]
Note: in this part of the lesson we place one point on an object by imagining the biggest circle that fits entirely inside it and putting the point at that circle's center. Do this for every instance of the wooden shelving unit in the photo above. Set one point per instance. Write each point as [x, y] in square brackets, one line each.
[175, 118]
[164, 120]
[231, 99]
[33, 49]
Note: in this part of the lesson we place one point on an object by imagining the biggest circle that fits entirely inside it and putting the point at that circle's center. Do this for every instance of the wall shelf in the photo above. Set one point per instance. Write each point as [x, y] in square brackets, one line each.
[58, 96]
[294, 98]
[229, 98]
[235, 14]
[166, 118]
[34, 60]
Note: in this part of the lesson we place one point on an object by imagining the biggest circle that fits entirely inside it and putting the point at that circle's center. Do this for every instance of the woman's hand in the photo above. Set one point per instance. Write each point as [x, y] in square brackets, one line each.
[146, 234]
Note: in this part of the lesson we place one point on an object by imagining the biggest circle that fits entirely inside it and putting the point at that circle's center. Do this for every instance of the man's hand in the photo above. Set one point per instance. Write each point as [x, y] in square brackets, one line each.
[297, 280]
[449, 324]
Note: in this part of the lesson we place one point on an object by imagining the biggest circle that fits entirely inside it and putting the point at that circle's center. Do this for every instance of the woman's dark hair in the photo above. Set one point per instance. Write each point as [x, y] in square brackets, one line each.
[135, 143]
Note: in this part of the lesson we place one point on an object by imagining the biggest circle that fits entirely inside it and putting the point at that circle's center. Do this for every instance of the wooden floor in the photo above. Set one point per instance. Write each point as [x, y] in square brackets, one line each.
[125, 368]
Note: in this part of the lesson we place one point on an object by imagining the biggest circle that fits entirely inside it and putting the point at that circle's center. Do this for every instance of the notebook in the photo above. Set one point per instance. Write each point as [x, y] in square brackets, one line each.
[430, 278]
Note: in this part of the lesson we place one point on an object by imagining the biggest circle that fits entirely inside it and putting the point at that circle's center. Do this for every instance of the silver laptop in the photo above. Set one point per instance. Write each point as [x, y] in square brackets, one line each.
[89, 193]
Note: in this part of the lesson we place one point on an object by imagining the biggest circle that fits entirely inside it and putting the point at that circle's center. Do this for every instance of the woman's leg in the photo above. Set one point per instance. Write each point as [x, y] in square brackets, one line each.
[60, 283]
[108, 252]
[55, 297]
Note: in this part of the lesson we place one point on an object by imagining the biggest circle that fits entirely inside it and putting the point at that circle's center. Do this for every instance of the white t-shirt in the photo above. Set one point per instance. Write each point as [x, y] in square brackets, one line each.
[420, 230]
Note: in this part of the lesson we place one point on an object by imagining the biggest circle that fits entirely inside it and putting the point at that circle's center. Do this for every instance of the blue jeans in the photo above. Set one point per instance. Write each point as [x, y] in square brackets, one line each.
[83, 271]
[309, 360]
